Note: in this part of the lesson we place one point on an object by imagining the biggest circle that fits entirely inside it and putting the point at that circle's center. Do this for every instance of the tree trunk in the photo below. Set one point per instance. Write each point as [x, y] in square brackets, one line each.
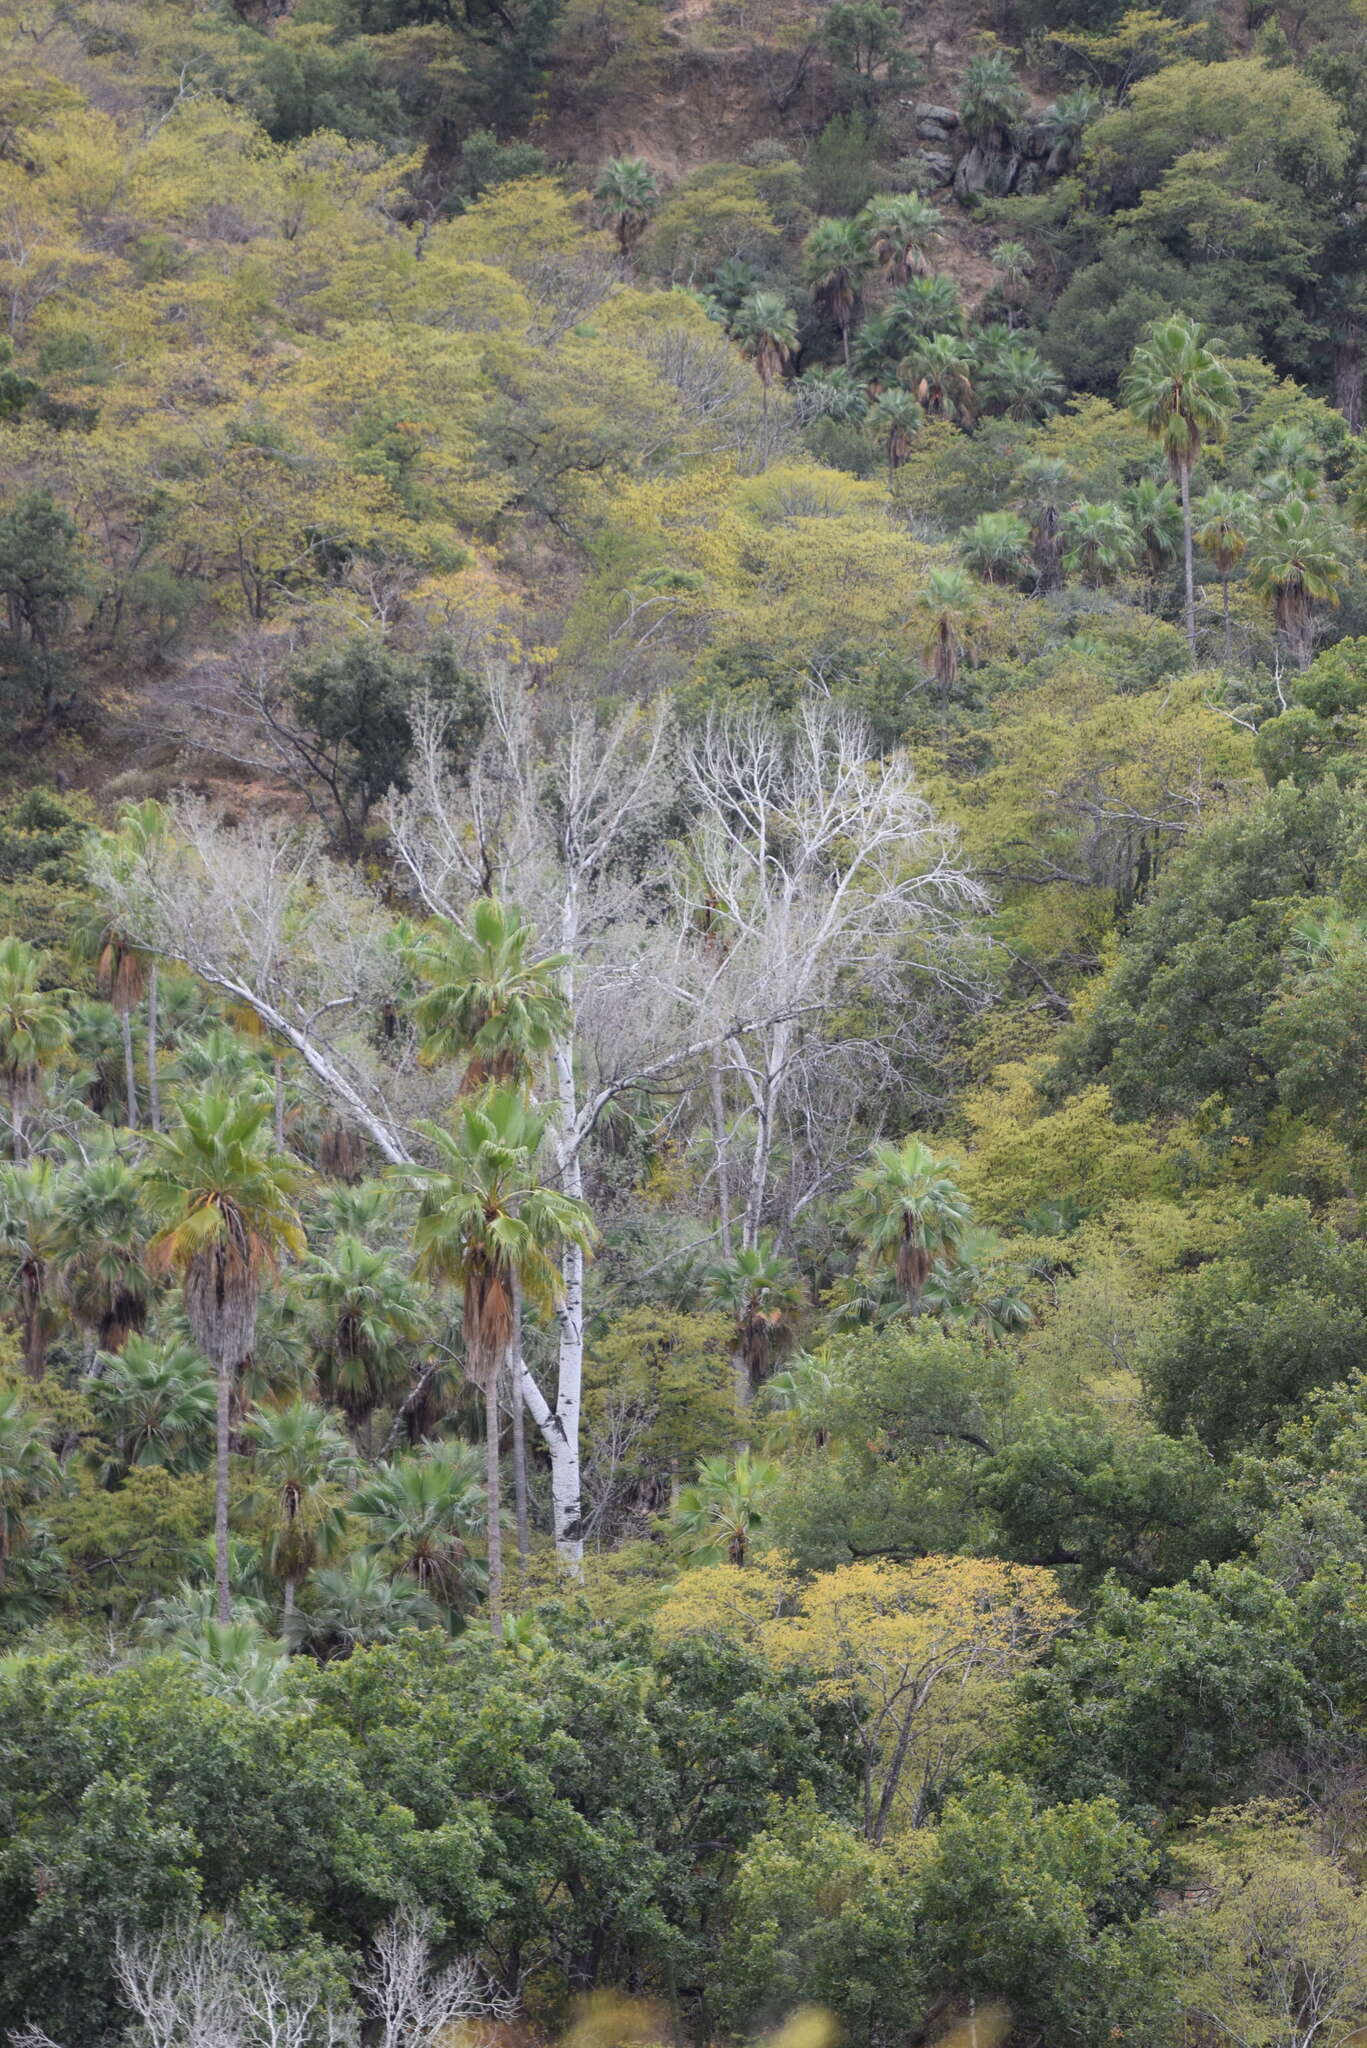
[287, 1610]
[153, 1078]
[520, 1500]
[18, 1143]
[130, 1076]
[719, 1147]
[279, 1102]
[1348, 374]
[31, 1300]
[222, 1442]
[1224, 591]
[493, 1503]
[1184, 483]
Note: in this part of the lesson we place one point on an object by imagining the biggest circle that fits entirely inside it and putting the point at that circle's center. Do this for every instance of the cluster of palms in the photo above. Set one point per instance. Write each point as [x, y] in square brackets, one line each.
[94, 1225]
[1282, 527]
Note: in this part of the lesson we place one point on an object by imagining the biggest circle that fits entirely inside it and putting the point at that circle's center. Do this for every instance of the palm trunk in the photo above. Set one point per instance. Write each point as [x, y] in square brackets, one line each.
[31, 1299]
[222, 1442]
[153, 1078]
[130, 1075]
[1224, 592]
[520, 1497]
[287, 1611]
[719, 1146]
[493, 1502]
[16, 1118]
[1184, 483]
[279, 1102]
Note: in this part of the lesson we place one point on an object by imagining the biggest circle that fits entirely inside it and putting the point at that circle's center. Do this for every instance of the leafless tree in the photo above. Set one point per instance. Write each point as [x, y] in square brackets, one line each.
[414, 2004]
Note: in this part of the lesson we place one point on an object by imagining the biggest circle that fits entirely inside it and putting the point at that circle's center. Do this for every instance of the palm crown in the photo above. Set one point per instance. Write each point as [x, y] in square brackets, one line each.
[489, 1000]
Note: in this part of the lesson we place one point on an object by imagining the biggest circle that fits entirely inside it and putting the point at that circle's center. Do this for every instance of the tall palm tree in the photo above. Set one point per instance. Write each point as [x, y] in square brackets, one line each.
[996, 546]
[718, 1514]
[101, 1249]
[489, 1226]
[301, 1459]
[1223, 522]
[940, 371]
[909, 1211]
[30, 1245]
[422, 1512]
[901, 228]
[1298, 559]
[364, 1313]
[121, 970]
[33, 1030]
[759, 1289]
[223, 1196]
[836, 259]
[949, 605]
[1015, 266]
[765, 327]
[156, 1403]
[358, 1602]
[628, 192]
[1100, 542]
[1015, 379]
[1184, 396]
[1044, 484]
[1156, 519]
[922, 307]
[489, 999]
[143, 830]
[29, 1473]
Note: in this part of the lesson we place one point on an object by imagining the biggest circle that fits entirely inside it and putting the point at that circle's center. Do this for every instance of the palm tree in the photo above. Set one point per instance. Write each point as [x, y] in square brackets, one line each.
[1015, 266]
[30, 1244]
[422, 1512]
[922, 307]
[121, 970]
[996, 546]
[823, 394]
[1224, 520]
[301, 1458]
[1016, 380]
[835, 261]
[897, 417]
[222, 1194]
[878, 347]
[1184, 396]
[766, 329]
[1298, 559]
[489, 1001]
[992, 101]
[488, 1226]
[717, 1515]
[950, 606]
[978, 1290]
[901, 229]
[629, 193]
[1156, 519]
[941, 374]
[358, 1603]
[908, 1209]
[237, 1662]
[33, 1029]
[364, 1313]
[142, 832]
[1289, 463]
[1043, 486]
[1100, 542]
[101, 1248]
[1065, 121]
[758, 1288]
[156, 1403]
[29, 1473]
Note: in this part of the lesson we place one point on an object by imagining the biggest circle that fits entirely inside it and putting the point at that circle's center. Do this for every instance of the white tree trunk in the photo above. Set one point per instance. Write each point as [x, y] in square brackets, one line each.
[153, 1076]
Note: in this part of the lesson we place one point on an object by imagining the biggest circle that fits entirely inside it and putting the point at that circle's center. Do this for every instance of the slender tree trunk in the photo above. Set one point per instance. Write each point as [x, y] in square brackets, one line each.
[493, 1502]
[1184, 483]
[1348, 374]
[740, 1368]
[18, 1141]
[31, 1298]
[1224, 593]
[222, 1442]
[130, 1072]
[719, 1147]
[520, 1503]
[287, 1610]
[153, 1077]
[279, 1101]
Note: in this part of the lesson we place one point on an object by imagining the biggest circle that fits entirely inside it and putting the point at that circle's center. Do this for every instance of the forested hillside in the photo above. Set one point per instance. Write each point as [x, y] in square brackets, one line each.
[683, 1023]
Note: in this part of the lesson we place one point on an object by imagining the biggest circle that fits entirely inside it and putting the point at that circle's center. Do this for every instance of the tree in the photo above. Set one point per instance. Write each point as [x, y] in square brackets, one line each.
[421, 1512]
[924, 306]
[1015, 379]
[1100, 543]
[222, 1195]
[486, 1001]
[910, 1213]
[30, 1236]
[363, 1314]
[101, 1249]
[1223, 524]
[897, 417]
[156, 1402]
[29, 1474]
[489, 1226]
[41, 572]
[719, 1512]
[1156, 518]
[835, 260]
[33, 1030]
[628, 192]
[766, 329]
[300, 1459]
[940, 370]
[358, 1603]
[1014, 266]
[992, 101]
[121, 973]
[902, 228]
[1185, 397]
[996, 546]
[1298, 559]
[413, 2003]
[949, 607]
[1043, 488]
[758, 1288]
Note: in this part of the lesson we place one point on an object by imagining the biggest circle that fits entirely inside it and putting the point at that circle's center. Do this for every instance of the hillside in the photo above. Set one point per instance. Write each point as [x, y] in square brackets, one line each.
[683, 1024]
